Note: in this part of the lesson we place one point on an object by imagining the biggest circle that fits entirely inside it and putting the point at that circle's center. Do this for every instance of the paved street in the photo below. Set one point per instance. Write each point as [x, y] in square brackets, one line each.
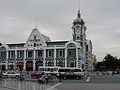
[96, 83]
[105, 79]
[103, 82]
[88, 86]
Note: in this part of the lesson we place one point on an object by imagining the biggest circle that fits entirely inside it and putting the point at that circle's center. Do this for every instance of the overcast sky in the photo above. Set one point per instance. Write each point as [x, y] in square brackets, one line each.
[54, 19]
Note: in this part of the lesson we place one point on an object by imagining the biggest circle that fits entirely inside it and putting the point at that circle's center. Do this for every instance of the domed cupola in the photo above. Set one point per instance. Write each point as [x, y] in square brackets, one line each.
[79, 20]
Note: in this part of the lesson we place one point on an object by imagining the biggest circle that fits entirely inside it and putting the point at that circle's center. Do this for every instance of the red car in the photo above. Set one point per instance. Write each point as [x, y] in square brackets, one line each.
[36, 74]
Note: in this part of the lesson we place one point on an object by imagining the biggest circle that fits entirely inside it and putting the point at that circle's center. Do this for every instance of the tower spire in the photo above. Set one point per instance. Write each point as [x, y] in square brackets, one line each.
[78, 14]
[78, 5]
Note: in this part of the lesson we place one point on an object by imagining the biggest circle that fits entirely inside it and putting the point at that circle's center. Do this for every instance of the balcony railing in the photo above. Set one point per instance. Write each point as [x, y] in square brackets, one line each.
[49, 58]
[39, 58]
[12, 58]
[2, 58]
[60, 58]
[20, 58]
[71, 58]
[29, 58]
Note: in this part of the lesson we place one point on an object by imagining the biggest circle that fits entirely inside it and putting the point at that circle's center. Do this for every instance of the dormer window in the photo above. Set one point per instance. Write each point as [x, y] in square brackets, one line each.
[34, 37]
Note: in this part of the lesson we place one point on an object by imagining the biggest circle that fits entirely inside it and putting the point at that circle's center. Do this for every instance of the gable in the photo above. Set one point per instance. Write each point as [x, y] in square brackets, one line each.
[36, 40]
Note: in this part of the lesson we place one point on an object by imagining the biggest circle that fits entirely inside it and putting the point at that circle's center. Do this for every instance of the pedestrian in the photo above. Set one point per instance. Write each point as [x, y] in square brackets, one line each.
[60, 77]
[1, 74]
[21, 76]
[113, 72]
[46, 77]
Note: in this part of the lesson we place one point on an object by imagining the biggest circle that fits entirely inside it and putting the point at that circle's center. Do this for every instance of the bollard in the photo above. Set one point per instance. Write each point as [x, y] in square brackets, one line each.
[33, 86]
[4, 83]
[19, 86]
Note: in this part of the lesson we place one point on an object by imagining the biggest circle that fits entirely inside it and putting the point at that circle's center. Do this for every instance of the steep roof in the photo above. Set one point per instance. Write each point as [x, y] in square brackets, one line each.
[16, 45]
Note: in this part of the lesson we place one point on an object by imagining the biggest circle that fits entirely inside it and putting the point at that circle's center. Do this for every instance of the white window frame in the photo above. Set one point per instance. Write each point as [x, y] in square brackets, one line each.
[49, 53]
[59, 53]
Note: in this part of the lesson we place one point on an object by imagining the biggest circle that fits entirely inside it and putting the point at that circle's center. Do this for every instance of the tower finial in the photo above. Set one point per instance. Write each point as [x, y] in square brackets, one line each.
[79, 14]
[78, 1]
[36, 23]
[35, 27]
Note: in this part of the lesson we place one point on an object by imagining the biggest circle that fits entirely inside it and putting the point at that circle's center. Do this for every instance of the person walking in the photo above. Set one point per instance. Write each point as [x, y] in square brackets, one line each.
[21, 76]
[60, 77]
[113, 72]
[1, 74]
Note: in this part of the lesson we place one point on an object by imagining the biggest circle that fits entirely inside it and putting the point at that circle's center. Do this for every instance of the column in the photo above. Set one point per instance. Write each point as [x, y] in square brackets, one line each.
[55, 56]
[24, 67]
[6, 63]
[34, 60]
[77, 57]
[65, 57]
[44, 57]
[15, 61]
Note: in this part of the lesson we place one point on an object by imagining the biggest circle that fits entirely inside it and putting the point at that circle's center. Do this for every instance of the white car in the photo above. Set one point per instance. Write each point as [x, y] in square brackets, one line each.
[11, 74]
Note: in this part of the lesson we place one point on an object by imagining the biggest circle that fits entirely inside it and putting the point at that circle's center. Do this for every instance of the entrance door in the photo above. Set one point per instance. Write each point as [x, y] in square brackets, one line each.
[72, 64]
[38, 63]
[20, 65]
[29, 65]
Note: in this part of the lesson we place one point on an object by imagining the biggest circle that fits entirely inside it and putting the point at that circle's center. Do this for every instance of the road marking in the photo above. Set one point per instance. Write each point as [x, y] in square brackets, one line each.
[88, 79]
[53, 87]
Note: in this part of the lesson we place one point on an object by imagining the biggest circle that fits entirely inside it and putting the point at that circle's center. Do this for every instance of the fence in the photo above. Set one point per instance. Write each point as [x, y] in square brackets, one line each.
[24, 85]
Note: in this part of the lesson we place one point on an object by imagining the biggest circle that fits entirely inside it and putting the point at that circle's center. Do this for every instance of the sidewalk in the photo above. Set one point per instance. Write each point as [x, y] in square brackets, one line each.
[4, 88]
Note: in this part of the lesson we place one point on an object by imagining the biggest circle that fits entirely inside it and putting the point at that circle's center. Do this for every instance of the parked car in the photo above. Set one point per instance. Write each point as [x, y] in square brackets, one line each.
[12, 74]
[36, 74]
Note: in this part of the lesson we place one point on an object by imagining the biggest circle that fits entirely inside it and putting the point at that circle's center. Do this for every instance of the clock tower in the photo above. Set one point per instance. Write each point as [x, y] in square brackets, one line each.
[79, 30]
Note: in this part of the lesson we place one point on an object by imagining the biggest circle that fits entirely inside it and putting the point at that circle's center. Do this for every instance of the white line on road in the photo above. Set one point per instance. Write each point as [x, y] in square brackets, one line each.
[88, 79]
[53, 87]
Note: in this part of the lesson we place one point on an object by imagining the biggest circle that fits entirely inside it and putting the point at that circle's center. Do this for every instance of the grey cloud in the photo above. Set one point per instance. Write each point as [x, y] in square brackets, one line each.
[54, 19]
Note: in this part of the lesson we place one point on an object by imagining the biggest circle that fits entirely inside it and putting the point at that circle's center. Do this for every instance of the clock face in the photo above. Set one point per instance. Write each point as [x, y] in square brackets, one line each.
[77, 30]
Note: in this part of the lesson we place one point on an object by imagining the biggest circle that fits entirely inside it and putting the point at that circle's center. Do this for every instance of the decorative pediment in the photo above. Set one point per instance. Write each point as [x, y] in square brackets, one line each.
[36, 39]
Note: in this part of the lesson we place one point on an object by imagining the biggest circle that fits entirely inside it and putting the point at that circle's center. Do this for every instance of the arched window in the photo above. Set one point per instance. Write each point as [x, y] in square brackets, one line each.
[71, 45]
[3, 53]
[2, 48]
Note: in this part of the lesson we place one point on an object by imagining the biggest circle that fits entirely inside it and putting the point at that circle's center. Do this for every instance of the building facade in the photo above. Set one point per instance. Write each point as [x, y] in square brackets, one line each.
[39, 50]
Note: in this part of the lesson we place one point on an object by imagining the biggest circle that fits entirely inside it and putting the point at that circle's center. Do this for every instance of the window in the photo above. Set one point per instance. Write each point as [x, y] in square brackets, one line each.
[34, 44]
[69, 53]
[30, 53]
[34, 37]
[60, 53]
[39, 53]
[81, 30]
[2, 48]
[11, 54]
[81, 37]
[3, 55]
[20, 54]
[40, 44]
[50, 53]
[71, 45]
[78, 37]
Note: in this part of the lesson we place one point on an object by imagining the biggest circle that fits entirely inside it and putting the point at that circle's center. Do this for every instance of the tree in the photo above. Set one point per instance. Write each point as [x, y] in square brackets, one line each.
[109, 63]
